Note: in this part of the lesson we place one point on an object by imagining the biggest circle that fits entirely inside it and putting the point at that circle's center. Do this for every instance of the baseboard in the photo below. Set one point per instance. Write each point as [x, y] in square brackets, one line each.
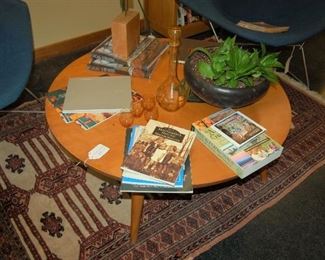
[67, 46]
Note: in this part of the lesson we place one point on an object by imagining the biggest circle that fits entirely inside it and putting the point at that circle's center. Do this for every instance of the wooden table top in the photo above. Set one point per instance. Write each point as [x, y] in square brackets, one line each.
[273, 112]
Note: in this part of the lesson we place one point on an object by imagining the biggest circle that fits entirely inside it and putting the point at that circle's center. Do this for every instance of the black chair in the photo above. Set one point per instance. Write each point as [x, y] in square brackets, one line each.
[304, 18]
[16, 50]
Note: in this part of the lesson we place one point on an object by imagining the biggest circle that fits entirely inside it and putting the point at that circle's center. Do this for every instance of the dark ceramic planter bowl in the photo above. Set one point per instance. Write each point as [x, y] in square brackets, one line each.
[217, 95]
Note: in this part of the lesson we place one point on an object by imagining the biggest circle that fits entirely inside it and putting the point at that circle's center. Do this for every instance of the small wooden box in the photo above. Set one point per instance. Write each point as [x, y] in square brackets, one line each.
[125, 33]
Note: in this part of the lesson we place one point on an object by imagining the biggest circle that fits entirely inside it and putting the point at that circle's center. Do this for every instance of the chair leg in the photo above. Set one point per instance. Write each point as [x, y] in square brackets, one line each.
[25, 111]
[214, 32]
[305, 64]
[287, 64]
[33, 95]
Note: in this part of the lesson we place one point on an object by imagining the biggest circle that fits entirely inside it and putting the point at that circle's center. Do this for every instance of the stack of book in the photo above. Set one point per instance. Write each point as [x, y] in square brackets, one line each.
[237, 140]
[140, 63]
[157, 159]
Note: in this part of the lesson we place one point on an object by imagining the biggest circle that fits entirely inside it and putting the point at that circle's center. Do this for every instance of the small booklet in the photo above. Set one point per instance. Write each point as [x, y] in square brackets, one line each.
[98, 95]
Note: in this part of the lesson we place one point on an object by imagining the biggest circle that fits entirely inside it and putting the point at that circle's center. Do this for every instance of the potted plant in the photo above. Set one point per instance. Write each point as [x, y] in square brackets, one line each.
[230, 76]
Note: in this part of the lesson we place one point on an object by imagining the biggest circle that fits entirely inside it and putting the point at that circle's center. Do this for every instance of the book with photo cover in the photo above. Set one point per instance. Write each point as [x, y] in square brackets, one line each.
[238, 128]
[132, 183]
[133, 178]
[98, 95]
[159, 152]
[244, 159]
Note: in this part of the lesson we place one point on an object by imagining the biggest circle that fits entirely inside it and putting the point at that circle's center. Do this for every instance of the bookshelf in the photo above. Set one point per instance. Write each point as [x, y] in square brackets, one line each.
[163, 14]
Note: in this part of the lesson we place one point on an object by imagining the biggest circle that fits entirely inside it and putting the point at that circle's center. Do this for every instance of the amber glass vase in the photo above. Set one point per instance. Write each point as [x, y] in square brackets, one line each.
[172, 94]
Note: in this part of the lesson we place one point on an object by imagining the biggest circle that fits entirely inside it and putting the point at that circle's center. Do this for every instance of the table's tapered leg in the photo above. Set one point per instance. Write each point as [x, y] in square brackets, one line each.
[263, 175]
[137, 200]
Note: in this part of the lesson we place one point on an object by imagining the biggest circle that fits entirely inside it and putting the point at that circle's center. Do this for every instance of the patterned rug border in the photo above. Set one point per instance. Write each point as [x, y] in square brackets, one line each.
[254, 214]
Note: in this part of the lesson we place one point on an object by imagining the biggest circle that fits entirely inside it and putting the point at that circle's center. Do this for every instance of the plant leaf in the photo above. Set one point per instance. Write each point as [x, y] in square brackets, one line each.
[205, 70]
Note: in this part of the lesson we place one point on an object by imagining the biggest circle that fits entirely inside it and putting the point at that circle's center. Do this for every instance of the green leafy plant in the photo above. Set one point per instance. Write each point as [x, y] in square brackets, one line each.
[229, 65]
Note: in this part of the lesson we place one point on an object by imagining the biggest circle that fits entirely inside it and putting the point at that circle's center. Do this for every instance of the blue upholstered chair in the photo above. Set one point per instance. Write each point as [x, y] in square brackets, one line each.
[16, 50]
[305, 18]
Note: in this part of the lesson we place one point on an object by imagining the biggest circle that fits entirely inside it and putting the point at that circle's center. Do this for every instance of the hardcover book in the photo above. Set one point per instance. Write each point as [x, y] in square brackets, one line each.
[131, 182]
[243, 160]
[85, 120]
[159, 152]
[98, 95]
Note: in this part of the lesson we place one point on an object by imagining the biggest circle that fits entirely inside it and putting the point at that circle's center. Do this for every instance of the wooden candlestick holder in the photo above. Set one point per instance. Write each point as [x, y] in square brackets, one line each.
[126, 33]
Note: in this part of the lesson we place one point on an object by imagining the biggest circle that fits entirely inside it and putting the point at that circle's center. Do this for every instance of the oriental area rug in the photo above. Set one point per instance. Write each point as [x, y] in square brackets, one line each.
[52, 209]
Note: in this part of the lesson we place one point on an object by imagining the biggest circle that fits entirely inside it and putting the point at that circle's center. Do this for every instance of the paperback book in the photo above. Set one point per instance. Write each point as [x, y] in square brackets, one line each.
[132, 183]
[133, 178]
[238, 128]
[244, 159]
[159, 152]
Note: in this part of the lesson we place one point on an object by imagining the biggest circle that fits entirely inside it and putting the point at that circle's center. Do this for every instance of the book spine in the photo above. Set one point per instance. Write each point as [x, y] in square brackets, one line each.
[108, 58]
[215, 150]
[150, 54]
[106, 69]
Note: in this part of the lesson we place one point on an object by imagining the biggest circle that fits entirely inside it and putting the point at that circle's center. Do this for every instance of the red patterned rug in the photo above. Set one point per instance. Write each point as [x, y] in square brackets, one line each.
[51, 209]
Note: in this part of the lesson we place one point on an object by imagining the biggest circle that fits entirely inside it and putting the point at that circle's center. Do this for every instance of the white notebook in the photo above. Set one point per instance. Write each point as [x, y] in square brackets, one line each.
[98, 95]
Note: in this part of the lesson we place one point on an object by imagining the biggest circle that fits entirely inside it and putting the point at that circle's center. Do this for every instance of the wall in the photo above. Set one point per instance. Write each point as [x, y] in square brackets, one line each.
[55, 21]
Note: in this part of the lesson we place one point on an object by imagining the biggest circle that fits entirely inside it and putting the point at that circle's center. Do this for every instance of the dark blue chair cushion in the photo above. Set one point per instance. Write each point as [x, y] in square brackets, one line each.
[304, 17]
[16, 49]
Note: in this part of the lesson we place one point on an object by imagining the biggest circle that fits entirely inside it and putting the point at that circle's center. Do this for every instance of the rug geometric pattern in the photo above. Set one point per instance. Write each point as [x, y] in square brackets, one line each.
[52, 209]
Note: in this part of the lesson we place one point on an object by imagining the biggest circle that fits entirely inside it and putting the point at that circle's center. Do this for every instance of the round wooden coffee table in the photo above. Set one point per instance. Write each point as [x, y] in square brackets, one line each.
[273, 112]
